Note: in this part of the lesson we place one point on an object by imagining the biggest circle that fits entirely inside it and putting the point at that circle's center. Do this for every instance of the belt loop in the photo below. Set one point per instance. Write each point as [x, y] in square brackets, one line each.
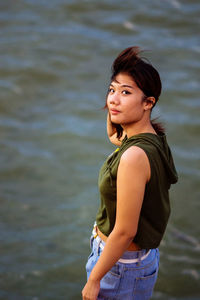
[98, 246]
[139, 258]
[91, 241]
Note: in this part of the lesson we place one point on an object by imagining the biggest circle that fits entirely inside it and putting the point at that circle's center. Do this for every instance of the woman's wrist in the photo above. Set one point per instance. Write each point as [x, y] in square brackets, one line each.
[94, 277]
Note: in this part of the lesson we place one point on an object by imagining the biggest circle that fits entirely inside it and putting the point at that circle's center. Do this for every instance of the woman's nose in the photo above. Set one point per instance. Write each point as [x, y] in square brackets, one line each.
[114, 99]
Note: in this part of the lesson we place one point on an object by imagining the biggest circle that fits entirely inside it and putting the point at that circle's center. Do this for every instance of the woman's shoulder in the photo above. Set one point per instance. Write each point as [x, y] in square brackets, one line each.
[134, 159]
[134, 155]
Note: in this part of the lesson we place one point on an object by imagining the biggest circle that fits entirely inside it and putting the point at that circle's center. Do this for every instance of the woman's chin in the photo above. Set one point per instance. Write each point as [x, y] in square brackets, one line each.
[115, 120]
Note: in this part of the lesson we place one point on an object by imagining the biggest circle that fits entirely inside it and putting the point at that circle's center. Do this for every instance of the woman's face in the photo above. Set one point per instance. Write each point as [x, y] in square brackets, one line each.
[125, 100]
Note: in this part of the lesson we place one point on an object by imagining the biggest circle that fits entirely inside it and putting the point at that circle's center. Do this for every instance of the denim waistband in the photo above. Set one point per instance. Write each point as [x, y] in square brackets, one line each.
[127, 256]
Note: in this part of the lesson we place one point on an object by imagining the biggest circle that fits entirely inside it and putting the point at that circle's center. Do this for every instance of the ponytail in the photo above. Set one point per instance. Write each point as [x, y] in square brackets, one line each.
[158, 127]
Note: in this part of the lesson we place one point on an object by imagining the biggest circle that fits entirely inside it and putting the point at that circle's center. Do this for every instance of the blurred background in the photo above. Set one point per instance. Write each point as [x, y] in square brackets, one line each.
[55, 59]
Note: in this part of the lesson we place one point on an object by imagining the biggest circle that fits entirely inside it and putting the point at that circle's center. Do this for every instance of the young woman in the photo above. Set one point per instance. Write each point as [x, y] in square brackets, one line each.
[134, 182]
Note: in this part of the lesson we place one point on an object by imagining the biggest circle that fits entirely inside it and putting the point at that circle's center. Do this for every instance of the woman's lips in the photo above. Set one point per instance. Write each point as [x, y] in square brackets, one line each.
[114, 111]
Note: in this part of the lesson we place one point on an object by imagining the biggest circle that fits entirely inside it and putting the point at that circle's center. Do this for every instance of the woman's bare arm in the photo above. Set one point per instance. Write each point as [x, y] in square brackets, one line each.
[112, 132]
[133, 164]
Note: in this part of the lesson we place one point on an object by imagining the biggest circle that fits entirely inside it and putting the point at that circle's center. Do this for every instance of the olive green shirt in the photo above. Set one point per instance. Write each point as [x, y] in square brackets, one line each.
[155, 209]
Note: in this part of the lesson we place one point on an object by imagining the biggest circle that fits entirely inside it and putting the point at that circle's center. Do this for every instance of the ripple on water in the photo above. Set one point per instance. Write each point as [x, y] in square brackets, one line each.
[54, 59]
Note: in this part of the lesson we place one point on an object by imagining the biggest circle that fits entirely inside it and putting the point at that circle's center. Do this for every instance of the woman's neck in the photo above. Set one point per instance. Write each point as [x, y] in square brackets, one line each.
[133, 129]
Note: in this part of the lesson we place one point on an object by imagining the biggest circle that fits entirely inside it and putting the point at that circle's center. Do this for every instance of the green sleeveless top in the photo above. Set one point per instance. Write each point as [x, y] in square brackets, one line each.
[155, 209]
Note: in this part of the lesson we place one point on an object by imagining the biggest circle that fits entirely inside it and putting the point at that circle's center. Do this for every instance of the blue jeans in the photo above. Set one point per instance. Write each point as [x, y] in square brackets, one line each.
[126, 281]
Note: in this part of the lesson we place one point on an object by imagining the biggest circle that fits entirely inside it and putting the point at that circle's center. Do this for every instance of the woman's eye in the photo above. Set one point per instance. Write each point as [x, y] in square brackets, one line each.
[125, 92]
[111, 90]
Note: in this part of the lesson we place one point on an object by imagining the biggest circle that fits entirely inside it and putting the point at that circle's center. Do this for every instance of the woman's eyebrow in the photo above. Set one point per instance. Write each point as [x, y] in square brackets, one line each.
[124, 85]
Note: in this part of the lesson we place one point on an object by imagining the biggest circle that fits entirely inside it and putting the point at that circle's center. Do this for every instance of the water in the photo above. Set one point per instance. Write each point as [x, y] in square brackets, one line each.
[55, 59]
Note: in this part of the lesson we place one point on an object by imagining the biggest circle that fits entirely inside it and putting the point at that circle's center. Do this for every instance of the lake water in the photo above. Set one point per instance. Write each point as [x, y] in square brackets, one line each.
[55, 59]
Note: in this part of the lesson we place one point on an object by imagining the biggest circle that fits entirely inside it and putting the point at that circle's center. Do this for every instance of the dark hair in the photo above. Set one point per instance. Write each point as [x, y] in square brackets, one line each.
[145, 76]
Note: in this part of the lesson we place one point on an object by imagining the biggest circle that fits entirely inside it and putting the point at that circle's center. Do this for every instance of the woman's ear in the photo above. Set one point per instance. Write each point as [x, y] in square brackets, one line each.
[149, 103]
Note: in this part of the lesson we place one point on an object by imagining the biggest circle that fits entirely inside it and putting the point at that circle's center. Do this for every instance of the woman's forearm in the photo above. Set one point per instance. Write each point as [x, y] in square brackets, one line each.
[115, 246]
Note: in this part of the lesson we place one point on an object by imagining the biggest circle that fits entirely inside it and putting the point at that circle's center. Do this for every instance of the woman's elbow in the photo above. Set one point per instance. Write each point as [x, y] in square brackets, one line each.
[125, 234]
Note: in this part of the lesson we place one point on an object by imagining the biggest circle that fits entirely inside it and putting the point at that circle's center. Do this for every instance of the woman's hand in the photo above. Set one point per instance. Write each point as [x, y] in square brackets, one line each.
[112, 132]
[91, 290]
